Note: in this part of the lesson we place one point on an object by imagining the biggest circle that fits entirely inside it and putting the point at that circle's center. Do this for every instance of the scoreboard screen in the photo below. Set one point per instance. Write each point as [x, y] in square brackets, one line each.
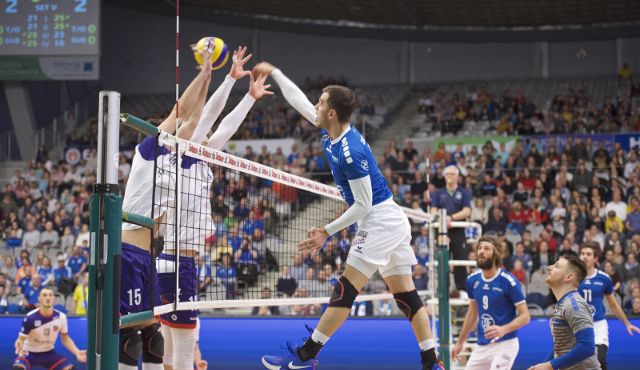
[49, 27]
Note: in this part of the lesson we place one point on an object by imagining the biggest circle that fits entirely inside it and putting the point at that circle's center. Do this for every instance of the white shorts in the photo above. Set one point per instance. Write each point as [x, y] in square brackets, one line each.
[601, 331]
[494, 356]
[383, 242]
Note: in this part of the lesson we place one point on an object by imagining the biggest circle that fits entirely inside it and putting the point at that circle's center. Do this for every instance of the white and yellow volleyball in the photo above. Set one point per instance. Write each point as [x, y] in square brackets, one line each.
[218, 49]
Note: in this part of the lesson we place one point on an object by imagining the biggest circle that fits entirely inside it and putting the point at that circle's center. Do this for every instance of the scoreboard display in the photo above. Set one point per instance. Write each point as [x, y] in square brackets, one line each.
[49, 27]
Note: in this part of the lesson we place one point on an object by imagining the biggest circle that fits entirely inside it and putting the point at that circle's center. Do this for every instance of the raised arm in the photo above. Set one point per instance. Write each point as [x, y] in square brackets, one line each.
[230, 124]
[290, 91]
[218, 100]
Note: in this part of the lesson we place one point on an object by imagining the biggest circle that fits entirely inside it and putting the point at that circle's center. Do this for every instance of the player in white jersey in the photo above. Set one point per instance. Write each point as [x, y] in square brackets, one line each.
[384, 233]
[594, 289]
[38, 336]
[494, 298]
[178, 327]
[137, 278]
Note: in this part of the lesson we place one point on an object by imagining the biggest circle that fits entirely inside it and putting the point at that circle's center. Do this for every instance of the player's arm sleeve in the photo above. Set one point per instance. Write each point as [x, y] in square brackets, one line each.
[64, 327]
[231, 122]
[608, 286]
[579, 319]
[363, 202]
[212, 109]
[26, 328]
[469, 284]
[515, 293]
[295, 96]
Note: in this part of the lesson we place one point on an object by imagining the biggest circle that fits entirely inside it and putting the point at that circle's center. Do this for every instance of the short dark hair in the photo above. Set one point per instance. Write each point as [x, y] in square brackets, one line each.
[594, 246]
[342, 100]
[577, 267]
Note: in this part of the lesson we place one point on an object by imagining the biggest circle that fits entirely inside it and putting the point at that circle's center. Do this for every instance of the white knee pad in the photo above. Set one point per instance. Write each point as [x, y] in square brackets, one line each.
[184, 344]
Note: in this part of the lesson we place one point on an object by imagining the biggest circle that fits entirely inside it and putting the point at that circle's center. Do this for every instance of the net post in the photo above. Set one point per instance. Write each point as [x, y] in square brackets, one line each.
[442, 256]
[105, 227]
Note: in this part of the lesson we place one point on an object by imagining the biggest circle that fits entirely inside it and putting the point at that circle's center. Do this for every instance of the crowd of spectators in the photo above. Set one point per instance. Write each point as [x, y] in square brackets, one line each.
[515, 113]
[539, 198]
[44, 217]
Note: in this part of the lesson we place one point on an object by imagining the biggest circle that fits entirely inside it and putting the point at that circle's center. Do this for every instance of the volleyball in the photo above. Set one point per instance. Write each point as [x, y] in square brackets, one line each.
[218, 49]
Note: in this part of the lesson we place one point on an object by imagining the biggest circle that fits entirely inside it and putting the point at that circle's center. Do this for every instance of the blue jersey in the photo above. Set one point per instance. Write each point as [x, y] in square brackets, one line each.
[593, 290]
[496, 299]
[350, 158]
[75, 263]
[452, 202]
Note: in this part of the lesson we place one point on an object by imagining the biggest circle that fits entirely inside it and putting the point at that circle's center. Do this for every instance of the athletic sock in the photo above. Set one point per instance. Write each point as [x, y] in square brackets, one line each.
[427, 344]
[428, 358]
[318, 337]
[309, 350]
[122, 366]
[151, 366]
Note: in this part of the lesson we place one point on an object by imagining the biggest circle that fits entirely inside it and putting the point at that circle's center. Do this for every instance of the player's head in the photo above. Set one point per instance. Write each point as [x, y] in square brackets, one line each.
[488, 252]
[589, 253]
[335, 106]
[568, 270]
[46, 298]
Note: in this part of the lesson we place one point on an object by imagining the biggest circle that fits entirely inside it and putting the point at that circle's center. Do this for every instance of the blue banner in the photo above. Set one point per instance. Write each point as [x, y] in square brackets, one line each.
[628, 141]
[236, 343]
[561, 140]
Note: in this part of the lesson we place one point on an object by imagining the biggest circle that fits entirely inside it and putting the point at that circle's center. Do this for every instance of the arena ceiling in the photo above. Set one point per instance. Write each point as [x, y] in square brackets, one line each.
[418, 20]
[436, 13]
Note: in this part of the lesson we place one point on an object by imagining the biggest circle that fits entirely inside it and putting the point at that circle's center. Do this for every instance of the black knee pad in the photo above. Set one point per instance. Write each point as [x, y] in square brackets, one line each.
[343, 294]
[152, 344]
[130, 346]
[409, 303]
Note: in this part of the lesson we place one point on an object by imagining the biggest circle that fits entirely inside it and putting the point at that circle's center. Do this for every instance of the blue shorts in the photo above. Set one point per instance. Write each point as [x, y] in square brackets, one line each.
[136, 279]
[48, 360]
[188, 290]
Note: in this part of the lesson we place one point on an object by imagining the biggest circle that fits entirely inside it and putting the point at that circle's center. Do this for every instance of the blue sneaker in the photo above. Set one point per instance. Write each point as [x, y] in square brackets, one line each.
[438, 366]
[290, 360]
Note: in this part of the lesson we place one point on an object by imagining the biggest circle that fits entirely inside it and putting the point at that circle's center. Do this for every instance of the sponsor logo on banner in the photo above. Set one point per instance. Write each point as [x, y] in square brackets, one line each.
[72, 156]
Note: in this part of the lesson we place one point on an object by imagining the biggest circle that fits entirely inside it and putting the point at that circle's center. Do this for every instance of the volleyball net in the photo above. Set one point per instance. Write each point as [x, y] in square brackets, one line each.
[245, 228]
[238, 223]
[242, 221]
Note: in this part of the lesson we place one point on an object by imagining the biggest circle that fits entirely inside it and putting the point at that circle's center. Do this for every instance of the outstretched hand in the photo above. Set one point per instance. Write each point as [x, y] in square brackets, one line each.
[631, 329]
[81, 356]
[205, 54]
[257, 88]
[316, 239]
[237, 72]
[263, 68]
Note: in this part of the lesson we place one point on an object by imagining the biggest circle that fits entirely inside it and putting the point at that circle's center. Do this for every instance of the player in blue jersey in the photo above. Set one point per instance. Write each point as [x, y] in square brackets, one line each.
[384, 234]
[594, 289]
[497, 306]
